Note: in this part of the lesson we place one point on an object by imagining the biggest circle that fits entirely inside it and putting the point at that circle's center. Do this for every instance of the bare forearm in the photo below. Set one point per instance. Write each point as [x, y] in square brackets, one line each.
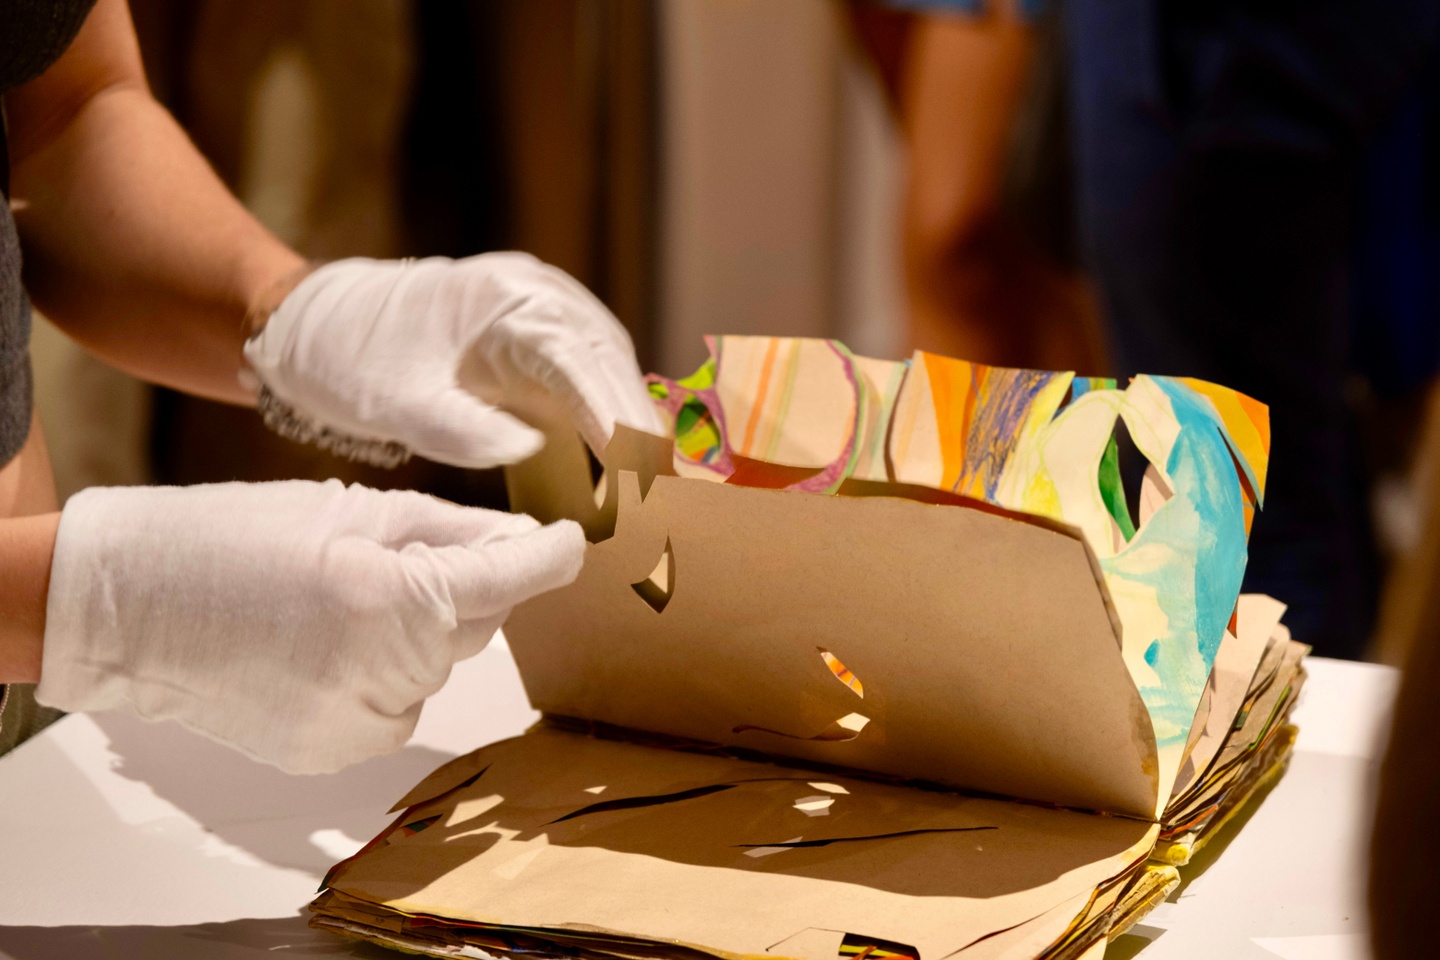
[132, 243]
[146, 259]
[27, 545]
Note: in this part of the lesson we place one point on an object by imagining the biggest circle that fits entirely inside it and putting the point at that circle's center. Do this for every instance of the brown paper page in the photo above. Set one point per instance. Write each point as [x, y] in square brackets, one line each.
[1265, 715]
[555, 483]
[1239, 657]
[561, 830]
[1030, 938]
[1260, 711]
[932, 642]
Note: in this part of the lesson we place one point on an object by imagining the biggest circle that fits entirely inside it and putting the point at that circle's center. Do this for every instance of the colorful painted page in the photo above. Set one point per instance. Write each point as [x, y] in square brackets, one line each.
[1039, 442]
[749, 406]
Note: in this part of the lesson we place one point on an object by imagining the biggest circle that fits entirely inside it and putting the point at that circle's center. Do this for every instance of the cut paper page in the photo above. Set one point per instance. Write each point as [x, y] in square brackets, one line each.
[635, 803]
[931, 870]
[865, 838]
[859, 947]
[734, 660]
[1112, 491]
[657, 588]
[1043, 444]
[696, 421]
[1029, 939]
[747, 398]
[1175, 580]
[882, 380]
[1258, 619]
[811, 944]
[816, 806]
[847, 727]
[957, 423]
[556, 483]
[1247, 428]
[771, 851]
[1154, 491]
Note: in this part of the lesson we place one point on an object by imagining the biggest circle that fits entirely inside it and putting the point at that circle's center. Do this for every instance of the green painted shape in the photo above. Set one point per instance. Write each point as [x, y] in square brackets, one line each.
[1112, 491]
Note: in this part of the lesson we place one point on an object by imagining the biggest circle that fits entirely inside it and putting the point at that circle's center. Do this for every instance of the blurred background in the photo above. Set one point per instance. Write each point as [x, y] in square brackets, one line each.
[1242, 192]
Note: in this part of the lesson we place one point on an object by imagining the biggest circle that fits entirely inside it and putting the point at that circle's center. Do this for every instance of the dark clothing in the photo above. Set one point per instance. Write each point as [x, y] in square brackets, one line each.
[1218, 148]
[15, 385]
[1395, 293]
[21, 717]
[33, 35]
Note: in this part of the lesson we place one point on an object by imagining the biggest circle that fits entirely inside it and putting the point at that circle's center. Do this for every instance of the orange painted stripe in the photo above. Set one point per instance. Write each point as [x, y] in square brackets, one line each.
[1259, 415]
[765, 369]
[950, 388]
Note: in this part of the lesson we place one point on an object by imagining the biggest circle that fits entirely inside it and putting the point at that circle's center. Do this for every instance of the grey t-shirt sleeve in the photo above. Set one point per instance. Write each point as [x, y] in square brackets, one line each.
[21, 717]
[16, 389]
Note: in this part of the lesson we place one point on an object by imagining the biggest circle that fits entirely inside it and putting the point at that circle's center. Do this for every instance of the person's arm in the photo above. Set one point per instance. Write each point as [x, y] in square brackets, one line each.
[134, 247]
[132, 244]
[976, 286]
[26, 547]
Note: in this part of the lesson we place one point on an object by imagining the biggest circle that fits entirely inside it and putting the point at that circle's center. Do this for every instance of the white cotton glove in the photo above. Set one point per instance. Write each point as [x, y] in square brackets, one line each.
[304, 623]
[380, 358]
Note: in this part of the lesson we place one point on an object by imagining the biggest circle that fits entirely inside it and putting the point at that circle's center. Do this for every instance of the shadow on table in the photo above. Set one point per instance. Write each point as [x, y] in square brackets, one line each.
[1128, 946]
[236, 940]
[271, 814]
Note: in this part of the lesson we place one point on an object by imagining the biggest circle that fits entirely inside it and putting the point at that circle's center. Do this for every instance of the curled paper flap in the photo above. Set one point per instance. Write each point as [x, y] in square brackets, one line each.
[982, 642]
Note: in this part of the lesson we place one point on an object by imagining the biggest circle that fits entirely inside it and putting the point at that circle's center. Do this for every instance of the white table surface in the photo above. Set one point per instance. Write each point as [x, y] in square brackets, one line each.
[124, 839]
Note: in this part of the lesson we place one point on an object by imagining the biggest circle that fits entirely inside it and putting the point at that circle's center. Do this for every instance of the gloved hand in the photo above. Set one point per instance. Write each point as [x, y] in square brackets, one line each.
[378, 358]
[304, 623]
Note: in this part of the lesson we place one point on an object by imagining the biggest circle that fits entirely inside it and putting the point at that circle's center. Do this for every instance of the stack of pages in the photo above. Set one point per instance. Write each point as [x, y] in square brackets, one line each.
[867, 659]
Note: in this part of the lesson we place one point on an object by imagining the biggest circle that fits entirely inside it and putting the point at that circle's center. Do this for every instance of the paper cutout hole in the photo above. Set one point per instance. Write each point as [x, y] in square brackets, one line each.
[798, 843]
[858, 947]
[768, 851]
[842, 673]
[657, 588]
[1154, 494]
[847, 727]
[412, 828]
[816, 806]
[633, 803]
[1131, 487]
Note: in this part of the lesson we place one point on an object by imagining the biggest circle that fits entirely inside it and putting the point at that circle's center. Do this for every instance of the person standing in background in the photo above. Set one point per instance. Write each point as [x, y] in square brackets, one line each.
[1218, 147]
[989, 267]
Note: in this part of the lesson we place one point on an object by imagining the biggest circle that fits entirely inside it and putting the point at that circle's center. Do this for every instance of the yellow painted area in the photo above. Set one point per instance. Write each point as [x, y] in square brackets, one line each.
[1248, 423]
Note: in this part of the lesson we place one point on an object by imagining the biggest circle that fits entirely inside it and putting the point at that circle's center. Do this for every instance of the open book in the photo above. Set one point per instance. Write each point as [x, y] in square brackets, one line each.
[867, 659]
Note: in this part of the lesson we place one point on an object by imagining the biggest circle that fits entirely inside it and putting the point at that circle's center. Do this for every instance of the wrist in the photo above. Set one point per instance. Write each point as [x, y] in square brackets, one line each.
[260, 309]
[268, 300]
